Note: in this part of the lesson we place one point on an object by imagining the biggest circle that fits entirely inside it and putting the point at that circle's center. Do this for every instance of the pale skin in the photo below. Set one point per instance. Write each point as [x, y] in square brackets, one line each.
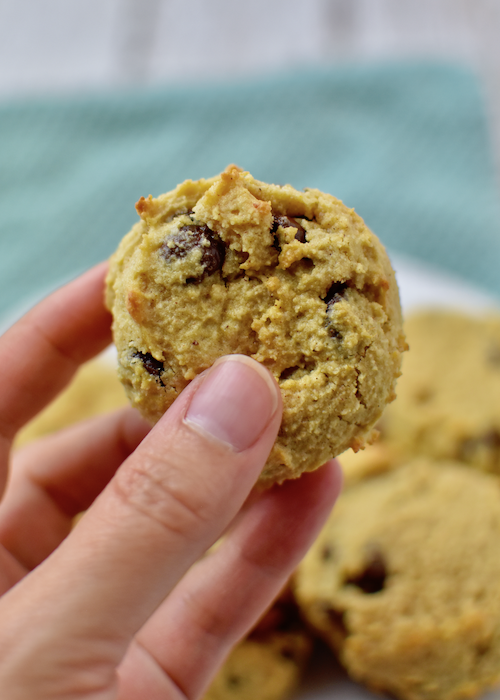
[125, 606]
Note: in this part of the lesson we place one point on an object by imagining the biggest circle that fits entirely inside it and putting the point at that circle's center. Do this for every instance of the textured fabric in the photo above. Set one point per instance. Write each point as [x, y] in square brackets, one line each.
[406, 145]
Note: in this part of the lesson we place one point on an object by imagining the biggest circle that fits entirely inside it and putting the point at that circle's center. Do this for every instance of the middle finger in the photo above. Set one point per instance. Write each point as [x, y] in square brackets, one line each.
[57, 477]
[221, 597]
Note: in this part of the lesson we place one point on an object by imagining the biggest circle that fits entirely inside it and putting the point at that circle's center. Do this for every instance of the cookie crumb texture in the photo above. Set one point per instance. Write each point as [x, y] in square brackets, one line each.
[293, 279]
[403, 582]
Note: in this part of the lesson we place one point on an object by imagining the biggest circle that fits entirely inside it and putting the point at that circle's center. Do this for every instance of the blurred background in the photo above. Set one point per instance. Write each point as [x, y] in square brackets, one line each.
[391, 105]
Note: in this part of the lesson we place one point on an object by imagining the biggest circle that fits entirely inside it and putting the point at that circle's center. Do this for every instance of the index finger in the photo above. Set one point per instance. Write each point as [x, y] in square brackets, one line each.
[40, 353]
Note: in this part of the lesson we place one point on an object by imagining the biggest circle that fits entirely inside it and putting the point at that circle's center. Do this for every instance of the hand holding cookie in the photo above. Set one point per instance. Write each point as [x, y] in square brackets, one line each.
[124, 606]
[295, 280]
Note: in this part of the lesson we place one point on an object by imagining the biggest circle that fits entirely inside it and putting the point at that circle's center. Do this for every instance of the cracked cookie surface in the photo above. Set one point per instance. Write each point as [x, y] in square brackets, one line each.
[403, 581]
[293, 279]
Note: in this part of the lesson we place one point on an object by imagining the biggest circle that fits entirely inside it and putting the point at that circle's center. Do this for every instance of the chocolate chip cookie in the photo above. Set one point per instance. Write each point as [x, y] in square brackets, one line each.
[374, 459]
[449, 396]
[293, 279]
[94, 390]
[268, 664]
[403, 581]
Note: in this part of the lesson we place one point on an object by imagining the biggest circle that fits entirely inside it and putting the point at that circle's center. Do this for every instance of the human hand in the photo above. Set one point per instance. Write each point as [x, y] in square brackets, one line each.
[125, 606]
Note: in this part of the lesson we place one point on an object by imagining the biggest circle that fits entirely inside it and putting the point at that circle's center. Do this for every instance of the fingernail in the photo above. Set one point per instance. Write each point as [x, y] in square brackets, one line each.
[235, 402]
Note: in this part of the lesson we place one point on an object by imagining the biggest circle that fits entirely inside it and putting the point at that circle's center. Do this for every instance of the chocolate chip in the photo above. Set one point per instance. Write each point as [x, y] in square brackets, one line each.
[470, 447]
[191, 237]
[283, 616]
[284, 221]
[492, 439]
[234, 681]
[287, 652]
[327, 553]
[335, 294]
[334, 300]
[336, 620]
[289, 222]
[493, 356]
[150, 363]
[372, 577]
[424, 394]
[482, 648]
[333, 332]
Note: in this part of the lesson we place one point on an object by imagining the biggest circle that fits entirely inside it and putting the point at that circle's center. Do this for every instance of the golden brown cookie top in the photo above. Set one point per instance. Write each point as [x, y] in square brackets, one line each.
[293, 279]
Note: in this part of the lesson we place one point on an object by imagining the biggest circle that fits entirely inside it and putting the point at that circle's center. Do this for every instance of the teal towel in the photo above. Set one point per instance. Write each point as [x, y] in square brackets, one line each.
[405, 145]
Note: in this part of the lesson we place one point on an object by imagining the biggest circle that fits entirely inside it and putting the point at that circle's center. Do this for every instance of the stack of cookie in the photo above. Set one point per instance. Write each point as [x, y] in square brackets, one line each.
[403, 581]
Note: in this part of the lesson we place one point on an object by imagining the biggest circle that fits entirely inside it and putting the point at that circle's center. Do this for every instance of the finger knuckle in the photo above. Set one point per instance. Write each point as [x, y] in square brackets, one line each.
[161, 490]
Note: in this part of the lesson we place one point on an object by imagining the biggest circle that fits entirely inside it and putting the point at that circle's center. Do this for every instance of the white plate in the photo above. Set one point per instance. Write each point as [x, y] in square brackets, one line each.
[420, 286]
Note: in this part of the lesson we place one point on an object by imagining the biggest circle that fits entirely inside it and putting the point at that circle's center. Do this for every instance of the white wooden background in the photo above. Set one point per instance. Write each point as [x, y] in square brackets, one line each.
[70, 45]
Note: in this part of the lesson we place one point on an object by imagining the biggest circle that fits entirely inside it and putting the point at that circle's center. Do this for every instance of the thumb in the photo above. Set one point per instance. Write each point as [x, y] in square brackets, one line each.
[164, 507]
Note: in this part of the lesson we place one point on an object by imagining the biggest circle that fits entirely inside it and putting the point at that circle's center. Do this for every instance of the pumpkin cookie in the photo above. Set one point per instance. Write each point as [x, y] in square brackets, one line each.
[403, 581]
[268, 664]
[94, 390]
[448, 403]
[293, 279]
